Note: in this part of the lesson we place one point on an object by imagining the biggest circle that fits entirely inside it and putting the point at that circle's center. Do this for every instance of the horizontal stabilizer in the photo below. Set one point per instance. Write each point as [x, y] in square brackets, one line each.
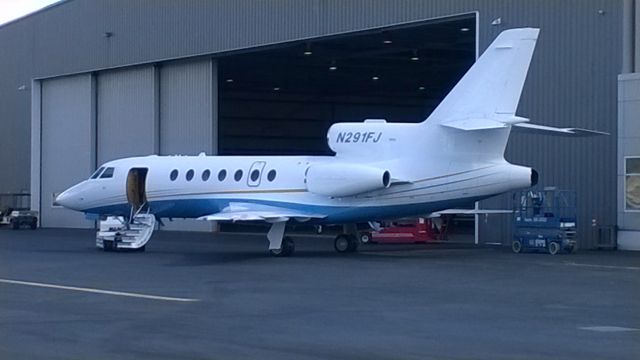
[484, 123]
[257, 212]
[474, 124]
[549, 130]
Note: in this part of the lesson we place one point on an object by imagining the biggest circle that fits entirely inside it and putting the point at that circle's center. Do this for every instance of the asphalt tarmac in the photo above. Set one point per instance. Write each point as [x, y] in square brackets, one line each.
[212, 296]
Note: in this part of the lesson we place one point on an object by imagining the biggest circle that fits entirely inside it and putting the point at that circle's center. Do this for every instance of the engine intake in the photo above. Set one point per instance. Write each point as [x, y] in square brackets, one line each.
[338, 180]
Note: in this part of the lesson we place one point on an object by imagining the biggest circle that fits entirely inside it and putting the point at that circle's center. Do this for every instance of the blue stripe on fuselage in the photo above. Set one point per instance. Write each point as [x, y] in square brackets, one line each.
[194, 208]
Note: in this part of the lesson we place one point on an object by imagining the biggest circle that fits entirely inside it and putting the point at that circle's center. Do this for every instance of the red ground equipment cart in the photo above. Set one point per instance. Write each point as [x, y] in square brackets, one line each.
[407, 231]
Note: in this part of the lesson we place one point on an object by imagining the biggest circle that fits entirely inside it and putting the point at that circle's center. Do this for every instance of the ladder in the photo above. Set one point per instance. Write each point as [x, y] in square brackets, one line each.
[118, 233]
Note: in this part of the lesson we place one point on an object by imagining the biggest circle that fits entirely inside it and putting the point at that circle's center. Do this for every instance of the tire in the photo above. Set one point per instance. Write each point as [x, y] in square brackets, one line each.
[287, 248]
[15, 224]
[365, 238]
[516, 246]
[553, 247]
[342, 243]
[569, 249]
[107, 245]
[34, 224]
[354, 242]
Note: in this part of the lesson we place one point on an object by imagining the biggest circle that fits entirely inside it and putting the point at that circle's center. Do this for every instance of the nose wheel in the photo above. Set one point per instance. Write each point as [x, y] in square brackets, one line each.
[345, 243]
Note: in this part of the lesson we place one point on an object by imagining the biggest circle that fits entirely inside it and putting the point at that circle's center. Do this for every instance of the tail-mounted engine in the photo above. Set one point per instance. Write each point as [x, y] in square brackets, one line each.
[342, 179]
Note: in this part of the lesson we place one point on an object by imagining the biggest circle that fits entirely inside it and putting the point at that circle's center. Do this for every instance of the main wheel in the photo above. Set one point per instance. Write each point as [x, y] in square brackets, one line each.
[516, 246]
[346, 243]
[354, 242]
[554, 247]
[286, 248]
[341, 243]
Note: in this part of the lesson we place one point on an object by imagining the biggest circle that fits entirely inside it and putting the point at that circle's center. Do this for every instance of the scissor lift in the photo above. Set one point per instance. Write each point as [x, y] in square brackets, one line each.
[544, 220]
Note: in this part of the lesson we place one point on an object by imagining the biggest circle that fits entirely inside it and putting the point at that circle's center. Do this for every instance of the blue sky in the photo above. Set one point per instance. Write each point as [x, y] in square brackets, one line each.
[13, 9]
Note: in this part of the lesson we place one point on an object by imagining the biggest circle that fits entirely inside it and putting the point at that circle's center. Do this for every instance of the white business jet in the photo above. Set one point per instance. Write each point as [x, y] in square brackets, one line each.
[380, 170]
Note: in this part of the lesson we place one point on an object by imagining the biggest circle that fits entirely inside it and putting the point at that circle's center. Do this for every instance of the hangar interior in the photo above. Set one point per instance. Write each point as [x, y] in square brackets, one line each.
[272, 100]
[283, 100]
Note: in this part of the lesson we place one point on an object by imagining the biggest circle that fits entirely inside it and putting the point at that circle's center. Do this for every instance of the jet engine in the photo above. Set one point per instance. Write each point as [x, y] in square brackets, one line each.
[338, 180]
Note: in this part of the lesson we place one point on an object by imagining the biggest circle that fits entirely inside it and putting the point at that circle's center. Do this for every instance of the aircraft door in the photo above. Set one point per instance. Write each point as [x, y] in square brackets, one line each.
[255, 173]
[136, 187]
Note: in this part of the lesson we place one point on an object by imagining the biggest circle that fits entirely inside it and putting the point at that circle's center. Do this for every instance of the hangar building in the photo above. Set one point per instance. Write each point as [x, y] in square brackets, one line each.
[83, 82]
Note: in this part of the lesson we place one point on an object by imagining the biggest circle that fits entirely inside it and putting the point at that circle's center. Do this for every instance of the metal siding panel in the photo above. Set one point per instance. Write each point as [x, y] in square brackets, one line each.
[125, 113]
[15, 73]
[571, 83]
[67, 156]
[186, 124]
[185, 108]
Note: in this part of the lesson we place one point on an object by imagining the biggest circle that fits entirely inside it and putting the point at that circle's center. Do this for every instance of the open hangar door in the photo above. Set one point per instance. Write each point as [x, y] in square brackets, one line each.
[282, 100]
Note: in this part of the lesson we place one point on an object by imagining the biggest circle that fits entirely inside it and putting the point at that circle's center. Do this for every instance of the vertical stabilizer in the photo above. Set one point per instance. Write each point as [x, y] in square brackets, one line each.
[491, 89]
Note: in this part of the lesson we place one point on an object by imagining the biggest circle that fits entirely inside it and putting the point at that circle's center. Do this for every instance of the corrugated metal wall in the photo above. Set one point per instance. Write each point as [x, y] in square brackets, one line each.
[572, 79]
[126, 119]
[186, 123]
[67, 145]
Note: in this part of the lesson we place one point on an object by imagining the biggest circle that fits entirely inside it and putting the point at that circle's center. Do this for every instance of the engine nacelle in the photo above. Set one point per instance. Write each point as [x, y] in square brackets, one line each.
[339, 180]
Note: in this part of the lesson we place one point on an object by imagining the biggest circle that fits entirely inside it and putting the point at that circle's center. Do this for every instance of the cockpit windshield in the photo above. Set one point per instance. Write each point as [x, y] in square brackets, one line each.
[108, 173]
[97, 173]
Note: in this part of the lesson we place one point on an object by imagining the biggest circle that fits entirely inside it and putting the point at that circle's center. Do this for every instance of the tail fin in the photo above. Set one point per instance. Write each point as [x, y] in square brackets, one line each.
[488, 94]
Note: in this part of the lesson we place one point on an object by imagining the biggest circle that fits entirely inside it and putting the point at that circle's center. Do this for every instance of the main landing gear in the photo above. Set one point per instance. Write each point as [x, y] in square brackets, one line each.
[280, 245]
[346, 243]
[286, 248]
[283, 246]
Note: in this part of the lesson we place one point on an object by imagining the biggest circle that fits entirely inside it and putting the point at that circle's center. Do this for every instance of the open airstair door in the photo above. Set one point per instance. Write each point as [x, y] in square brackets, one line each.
[136, 188]
[116, 232]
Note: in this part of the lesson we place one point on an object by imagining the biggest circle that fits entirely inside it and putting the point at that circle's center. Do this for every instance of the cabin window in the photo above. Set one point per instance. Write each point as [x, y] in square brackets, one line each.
[222, 174]
[189, 175]
[255, 174]
[271, 175]
[238, 175]
[108, 173]
[97, 173]
[174, 175]
[206, 175]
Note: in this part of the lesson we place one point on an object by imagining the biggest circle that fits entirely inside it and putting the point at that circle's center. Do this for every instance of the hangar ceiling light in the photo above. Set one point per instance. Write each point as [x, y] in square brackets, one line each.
[307, 50]
[374, 78]
[464, 29]
[403, 58]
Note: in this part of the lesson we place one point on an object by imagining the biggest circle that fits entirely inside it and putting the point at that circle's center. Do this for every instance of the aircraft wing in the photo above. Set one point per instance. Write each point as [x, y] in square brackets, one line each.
[549, 130]
[257, 212]
[469, 212]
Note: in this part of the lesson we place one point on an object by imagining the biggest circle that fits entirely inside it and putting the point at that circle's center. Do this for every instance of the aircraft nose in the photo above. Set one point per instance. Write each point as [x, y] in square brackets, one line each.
[63, 199]
[71, 198]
